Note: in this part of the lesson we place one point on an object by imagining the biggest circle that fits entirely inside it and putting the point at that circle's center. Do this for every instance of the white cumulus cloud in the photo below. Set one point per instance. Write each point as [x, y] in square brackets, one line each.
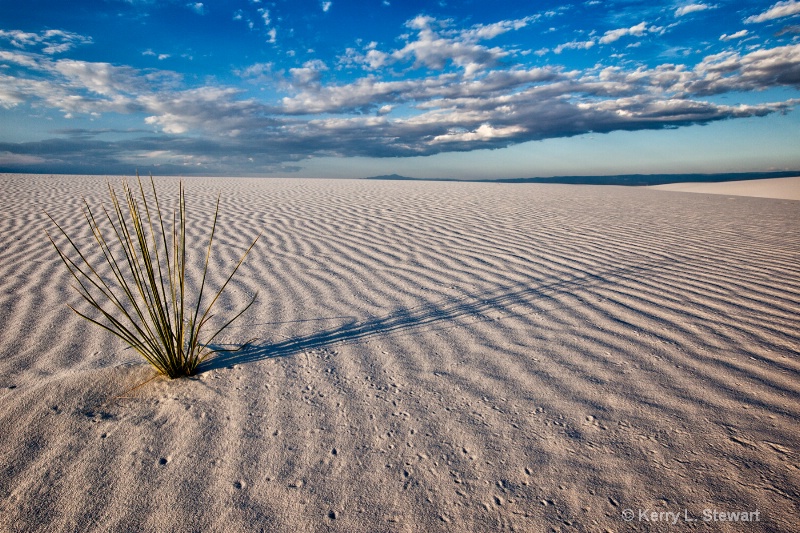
[265, 16]
[692, 8]
[779, 10]
[484, 132]
[573, 45]
[732, 36]
[309, 74]
[436, 46]
[635, 31]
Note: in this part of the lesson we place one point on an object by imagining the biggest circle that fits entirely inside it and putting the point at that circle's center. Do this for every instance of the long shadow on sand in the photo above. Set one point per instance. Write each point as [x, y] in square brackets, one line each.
[436, 314]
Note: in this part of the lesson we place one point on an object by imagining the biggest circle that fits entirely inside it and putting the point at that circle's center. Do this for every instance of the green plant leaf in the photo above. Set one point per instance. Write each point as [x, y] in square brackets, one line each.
[144, 300]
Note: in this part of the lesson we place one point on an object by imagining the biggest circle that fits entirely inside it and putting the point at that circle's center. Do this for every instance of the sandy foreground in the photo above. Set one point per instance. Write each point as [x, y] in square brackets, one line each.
[429, 357]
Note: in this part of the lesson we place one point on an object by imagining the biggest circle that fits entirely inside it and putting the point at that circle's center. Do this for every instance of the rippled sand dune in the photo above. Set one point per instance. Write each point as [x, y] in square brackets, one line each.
[429, 357]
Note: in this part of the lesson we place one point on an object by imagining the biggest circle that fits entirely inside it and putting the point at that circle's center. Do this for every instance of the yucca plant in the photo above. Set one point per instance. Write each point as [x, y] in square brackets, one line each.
[144, 300]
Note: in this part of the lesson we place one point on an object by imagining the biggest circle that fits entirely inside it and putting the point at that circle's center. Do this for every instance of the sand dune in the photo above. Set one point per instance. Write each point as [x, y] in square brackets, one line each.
[781, 188]
[430, 357]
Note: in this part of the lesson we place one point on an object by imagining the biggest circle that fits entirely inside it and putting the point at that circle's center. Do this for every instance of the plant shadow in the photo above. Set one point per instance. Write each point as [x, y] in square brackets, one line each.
[444, 314]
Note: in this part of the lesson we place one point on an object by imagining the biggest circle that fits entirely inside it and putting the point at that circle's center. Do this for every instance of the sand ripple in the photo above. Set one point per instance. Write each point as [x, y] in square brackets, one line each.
[429, 357]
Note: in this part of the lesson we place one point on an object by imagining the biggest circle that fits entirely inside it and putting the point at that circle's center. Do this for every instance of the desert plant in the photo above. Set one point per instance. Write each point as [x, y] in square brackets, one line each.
[144, 301]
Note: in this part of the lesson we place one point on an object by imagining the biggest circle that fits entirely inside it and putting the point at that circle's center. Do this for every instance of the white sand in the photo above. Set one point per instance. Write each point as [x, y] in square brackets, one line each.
[432, 357]
[782, 188]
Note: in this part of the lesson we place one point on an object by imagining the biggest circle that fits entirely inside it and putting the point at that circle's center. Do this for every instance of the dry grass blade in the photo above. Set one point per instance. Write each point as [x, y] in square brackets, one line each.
[144, 301]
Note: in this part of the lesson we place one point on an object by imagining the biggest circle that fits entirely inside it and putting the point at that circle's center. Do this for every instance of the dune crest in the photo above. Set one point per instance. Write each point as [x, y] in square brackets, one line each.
[779, 188]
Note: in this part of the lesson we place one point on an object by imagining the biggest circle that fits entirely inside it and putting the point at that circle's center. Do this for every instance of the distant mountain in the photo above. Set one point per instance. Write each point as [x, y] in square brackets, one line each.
[396, 177]
[623, 179]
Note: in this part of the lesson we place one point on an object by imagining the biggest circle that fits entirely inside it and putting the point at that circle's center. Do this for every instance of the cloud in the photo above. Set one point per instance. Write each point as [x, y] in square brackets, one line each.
[159, 154]
[326, 6]
[261, 21]
[197, 7]
[720, 73]
[737, 35]
[79, 87]
[309, 74]
[18, 160]
[611, 36]
[261, 71]
[484, 132]
[52, 41]
[20, 39]
[366, 94]
[779, 10]
[211, 110]
[370, 58]
[635, 31]
[788, 30]
[436, 46]
[19, 58]
[692, 8]
[756, 71]
[160, 57]
[504, 107]
[447, 105]
[435, 51]
[265, 16]
[573, 45]
[100, 78]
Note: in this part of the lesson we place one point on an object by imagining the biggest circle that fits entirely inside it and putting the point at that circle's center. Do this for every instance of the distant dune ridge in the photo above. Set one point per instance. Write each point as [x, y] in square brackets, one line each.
[785, 188]
[432, 357]
[636, 180]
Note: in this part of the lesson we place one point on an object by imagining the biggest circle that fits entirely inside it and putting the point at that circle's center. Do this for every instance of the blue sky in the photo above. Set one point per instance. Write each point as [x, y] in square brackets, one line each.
[467, 89]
